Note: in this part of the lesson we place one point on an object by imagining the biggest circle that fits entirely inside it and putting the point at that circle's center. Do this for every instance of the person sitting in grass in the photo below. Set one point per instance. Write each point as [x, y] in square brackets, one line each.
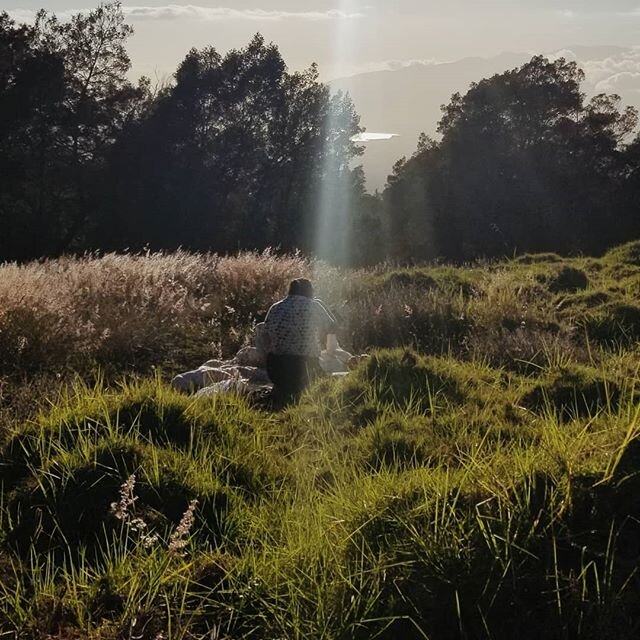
[293, 328]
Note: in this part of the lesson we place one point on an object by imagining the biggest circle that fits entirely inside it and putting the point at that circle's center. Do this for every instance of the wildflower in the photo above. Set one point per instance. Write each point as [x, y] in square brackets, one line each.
[180, 537]
[121, 509]
[149, 540]
[137, 524]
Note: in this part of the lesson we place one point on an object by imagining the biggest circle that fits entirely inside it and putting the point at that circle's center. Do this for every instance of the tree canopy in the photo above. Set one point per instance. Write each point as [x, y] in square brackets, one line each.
[228, 156]
[525, 163]
[64, 99]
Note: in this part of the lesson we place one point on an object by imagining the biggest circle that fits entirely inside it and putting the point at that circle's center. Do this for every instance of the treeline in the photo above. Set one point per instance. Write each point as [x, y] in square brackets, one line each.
[524, 164]
[233, 154]
[239, 153]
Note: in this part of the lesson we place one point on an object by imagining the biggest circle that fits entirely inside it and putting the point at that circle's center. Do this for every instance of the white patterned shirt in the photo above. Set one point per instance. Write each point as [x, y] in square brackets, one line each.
[294, 324]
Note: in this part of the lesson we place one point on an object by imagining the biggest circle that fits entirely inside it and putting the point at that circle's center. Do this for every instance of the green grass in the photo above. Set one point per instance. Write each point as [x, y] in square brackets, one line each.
[476, 477]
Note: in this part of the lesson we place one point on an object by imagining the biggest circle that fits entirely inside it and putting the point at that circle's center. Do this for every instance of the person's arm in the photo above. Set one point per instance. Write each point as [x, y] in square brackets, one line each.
[263, 341]
[268, 339]
[327, 321]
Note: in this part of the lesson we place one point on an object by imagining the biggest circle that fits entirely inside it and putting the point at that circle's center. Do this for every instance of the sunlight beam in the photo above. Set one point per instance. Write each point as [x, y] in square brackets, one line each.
[331, 236]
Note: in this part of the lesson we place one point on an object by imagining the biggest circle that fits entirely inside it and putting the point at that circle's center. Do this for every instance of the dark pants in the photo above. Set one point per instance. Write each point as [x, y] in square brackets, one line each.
[291, 374]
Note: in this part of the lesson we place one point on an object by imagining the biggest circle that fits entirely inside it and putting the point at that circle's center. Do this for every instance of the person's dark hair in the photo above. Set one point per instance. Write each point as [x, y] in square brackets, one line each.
[301, 287]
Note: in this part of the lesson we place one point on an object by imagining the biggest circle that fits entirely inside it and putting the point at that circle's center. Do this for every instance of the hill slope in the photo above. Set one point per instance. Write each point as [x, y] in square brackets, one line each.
[475, 477]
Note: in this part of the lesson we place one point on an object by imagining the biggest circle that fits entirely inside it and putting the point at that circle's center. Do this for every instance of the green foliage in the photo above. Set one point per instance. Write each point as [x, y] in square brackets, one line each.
[583, 301]
[525, 164]
[133, 312]
[67, 81]
[62, 473]
[614, 324]
[237, 152]
[234, 152]
[68, 505]
[242, 145]
[535, 258]
[404, 377]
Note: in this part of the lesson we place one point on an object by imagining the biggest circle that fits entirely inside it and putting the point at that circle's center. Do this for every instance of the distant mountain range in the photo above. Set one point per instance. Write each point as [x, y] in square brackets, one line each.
[407, 100]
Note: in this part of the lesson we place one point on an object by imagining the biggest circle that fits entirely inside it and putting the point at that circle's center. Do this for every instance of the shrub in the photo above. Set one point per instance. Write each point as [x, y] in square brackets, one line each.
[33, 340]
[583, 301]
[149, 411]
[69, 504]
[395, 441]
[145, 412]
[405, 377]
[430, 321]
[417, 497]
[135, 311]
[525, 349]
[419, 279]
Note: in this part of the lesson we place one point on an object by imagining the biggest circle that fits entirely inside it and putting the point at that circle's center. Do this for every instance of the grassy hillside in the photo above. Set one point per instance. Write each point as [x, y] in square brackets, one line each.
[476, 477]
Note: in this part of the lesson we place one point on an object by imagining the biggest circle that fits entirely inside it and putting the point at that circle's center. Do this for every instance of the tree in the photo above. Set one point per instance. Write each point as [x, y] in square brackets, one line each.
[229, 156]
[524, 164]
[412, 229]
[32, 88]
[65, 97]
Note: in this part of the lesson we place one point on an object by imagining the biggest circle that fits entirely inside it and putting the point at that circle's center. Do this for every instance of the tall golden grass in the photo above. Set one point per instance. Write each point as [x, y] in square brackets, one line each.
[125, 313]
[134, 311]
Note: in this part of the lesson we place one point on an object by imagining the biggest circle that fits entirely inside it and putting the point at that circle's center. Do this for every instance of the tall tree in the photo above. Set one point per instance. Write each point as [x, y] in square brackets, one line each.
[229, 156]
[524, 164]
[65, 97]
[31, 100]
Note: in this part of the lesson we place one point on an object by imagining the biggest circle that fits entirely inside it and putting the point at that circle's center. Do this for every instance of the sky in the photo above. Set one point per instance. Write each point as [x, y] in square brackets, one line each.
[346, 37]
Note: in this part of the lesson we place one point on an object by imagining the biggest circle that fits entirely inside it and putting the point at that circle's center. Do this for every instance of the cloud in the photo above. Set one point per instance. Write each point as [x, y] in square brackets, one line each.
[567, 54]
[401, 64]
[625, 84]
[189, 11]
[24, 15]
[599, 71]
[346, 69]
[195, 12]
[598, 9]
[372, 137]
[613, 73]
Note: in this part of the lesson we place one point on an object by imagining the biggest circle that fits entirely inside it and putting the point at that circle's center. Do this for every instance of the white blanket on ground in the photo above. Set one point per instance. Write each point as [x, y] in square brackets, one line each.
[247, 371]
[219, 371]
